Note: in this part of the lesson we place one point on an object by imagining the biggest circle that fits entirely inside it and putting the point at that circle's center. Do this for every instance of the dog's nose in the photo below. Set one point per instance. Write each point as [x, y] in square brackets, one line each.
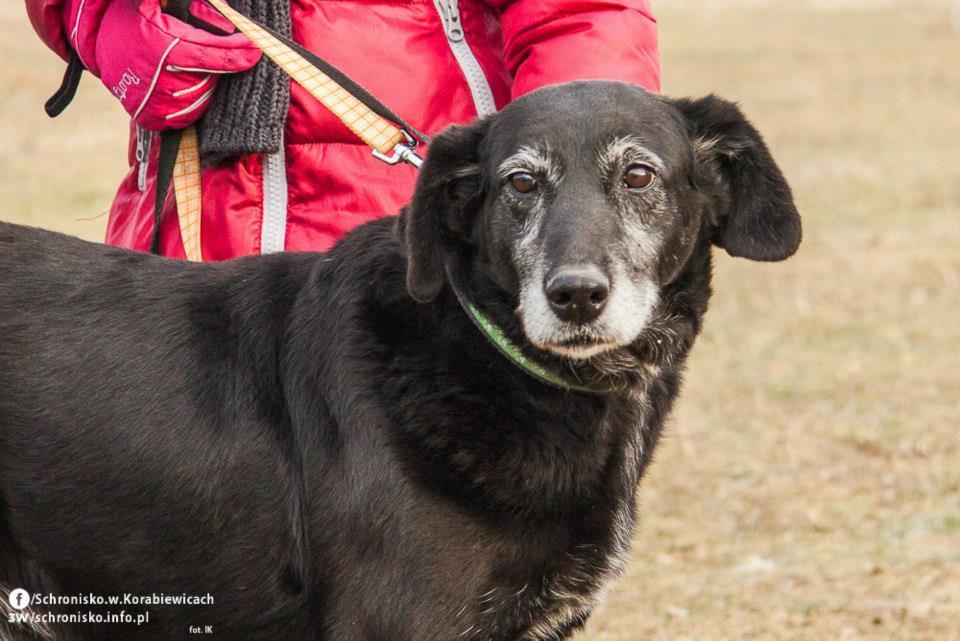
[577, 294]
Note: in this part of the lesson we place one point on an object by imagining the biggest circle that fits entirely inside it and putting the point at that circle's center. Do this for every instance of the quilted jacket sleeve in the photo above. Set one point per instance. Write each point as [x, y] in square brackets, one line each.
[547, 42]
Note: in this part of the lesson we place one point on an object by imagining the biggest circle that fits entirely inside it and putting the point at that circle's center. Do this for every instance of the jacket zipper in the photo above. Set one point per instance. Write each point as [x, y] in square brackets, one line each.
[449, 11]
[273, 230]
[143, 156]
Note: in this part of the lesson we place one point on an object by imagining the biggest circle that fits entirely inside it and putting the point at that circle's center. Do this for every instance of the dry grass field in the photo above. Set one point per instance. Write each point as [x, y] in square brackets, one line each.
[809, 484]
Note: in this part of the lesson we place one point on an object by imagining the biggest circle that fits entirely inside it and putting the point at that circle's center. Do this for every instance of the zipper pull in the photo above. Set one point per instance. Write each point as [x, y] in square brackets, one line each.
[450, 14]
[143, 156]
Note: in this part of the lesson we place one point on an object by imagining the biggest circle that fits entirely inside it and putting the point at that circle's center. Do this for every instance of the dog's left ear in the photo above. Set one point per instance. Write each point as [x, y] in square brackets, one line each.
[448, 194]
[756, 216]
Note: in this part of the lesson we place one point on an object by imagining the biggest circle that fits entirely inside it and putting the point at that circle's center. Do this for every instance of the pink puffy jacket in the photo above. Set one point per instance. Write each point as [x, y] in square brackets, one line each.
[324, 181]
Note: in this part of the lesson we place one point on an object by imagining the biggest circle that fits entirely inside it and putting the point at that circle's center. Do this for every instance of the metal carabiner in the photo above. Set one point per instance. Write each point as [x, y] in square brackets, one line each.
[402, 152]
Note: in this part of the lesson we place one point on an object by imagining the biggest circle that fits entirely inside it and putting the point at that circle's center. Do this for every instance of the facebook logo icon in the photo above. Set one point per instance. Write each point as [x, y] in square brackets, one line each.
[19, 599]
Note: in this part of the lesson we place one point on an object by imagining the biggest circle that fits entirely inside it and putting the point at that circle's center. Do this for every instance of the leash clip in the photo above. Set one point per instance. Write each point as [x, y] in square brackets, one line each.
[402, 152]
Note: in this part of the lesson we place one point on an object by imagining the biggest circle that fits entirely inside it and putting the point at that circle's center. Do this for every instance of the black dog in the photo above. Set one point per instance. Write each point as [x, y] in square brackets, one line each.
[433, 431]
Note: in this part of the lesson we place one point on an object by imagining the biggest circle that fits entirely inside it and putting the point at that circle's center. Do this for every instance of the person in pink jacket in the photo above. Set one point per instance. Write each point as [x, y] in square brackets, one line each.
[281, 172]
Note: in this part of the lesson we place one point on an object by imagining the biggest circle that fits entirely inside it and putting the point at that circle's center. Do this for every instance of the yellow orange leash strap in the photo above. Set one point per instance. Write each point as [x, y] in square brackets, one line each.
[186, 188]
[381, 134]
[178, 165]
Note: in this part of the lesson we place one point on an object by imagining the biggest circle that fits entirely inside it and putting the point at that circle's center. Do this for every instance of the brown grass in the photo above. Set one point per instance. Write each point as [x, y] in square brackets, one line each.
[809, 484]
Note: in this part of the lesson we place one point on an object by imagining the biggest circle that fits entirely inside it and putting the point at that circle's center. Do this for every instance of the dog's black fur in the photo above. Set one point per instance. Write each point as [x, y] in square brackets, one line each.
[331, 459]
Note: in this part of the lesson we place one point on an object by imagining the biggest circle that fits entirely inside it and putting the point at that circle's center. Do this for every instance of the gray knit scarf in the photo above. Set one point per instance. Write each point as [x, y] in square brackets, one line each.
[249, 109]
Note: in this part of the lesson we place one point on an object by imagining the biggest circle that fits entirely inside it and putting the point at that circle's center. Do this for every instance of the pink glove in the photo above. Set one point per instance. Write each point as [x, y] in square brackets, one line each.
[164, 70]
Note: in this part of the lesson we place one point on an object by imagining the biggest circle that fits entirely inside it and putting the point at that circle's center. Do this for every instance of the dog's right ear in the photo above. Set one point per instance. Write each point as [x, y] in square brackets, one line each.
[448, 195]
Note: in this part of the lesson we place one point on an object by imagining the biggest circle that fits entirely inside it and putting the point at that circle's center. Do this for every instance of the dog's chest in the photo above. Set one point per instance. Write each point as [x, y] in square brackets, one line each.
[557, 594]
[551, 604]
[567, 599]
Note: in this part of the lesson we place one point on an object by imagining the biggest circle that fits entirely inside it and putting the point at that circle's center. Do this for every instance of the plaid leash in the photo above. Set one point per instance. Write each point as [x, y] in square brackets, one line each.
[186, 189]
[360, 112]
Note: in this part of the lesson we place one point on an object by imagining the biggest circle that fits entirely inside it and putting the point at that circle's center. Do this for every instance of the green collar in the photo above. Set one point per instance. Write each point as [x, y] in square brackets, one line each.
[496, 336]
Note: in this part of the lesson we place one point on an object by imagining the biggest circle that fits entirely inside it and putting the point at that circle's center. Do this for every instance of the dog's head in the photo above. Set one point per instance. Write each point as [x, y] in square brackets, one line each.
[583, 201]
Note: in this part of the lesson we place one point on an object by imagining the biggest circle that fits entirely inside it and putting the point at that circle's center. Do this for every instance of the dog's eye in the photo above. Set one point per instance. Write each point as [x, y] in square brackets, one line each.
[522, 182]
[639, 176]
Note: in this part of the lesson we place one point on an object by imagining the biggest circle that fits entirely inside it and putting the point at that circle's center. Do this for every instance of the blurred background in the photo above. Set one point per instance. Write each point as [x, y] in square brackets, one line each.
[809, 483]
